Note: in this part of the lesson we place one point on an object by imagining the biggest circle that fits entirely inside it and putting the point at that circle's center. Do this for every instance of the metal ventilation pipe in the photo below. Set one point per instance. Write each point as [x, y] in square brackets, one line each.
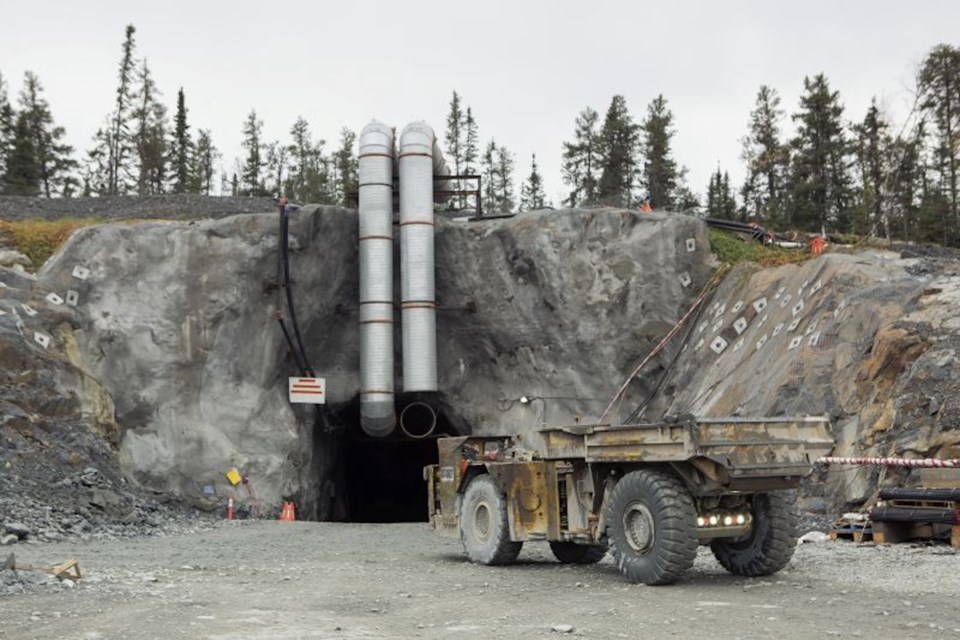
[375, 208]
[418, 420]
[419, 158]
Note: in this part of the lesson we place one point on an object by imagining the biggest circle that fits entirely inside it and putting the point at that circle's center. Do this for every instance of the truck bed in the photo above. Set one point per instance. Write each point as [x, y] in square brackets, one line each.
[746, 447]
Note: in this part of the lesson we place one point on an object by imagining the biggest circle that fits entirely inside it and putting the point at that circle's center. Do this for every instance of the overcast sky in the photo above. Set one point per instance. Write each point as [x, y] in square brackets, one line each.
[526, 68]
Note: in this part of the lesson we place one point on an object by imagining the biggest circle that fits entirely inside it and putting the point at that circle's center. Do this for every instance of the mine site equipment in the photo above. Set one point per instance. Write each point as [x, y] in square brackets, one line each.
[652, 492]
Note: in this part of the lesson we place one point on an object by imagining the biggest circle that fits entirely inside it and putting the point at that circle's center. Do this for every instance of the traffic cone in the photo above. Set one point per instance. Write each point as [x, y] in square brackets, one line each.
[287, 513]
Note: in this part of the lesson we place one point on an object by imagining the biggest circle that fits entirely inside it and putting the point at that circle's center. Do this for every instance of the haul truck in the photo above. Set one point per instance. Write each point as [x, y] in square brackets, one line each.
[651, 492]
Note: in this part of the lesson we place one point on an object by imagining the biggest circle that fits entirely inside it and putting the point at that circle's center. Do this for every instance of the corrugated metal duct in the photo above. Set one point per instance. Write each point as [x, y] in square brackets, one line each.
[375, 209]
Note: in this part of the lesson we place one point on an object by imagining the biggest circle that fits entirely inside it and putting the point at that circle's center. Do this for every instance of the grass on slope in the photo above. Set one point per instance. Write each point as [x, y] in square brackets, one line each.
[39, 239]
[731, 248]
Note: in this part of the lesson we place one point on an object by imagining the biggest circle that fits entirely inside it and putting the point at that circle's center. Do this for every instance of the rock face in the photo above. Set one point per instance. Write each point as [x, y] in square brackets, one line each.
[177, 322]
[163, 339]
[868, 339]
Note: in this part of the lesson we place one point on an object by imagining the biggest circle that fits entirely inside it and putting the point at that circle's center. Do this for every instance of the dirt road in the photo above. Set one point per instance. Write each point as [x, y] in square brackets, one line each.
[318, 580]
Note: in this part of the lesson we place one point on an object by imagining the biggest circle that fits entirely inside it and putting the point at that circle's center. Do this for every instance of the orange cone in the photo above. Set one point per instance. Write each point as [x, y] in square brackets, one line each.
[287, 513]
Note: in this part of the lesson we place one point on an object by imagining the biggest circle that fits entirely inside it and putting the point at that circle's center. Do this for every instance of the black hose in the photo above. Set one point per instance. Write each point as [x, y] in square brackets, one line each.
[285, 256]
[290, 345]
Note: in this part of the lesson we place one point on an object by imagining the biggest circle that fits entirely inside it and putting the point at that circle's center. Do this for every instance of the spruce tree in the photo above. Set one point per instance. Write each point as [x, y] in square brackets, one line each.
[532, 195]
[504, 172]
[583, 160]
[119, 141]
[346, 167]
[8, 124]
[906, 184]
[939, 89]
[819, 172]
[471, 144]
[53, 156]
[660, 173]
[456, 133]
[873, 158]
[489, 177]
[766, 157]
[181, 150]
[619, 139]
[23, 169]
[720, 200]
[276, 168]
[150, 122]
[252, 169]
[202, 162]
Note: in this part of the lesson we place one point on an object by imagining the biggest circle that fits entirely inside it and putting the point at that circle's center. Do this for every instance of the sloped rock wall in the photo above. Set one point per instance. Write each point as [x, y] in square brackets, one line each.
[869, 339]
[176, 321]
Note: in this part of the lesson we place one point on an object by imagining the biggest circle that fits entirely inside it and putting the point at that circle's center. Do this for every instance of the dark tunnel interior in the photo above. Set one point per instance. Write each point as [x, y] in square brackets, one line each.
[381, 479]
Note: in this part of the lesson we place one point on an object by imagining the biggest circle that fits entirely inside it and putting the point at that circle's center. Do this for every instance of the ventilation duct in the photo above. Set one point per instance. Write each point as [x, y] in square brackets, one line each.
[375, 212]
[419, 159]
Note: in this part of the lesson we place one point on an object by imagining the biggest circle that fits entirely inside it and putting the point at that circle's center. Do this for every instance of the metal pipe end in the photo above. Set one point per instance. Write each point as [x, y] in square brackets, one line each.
[418, 420]
[377, 419]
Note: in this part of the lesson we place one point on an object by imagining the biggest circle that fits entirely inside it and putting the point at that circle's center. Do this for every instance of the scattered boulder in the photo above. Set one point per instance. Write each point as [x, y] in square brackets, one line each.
[17, 528]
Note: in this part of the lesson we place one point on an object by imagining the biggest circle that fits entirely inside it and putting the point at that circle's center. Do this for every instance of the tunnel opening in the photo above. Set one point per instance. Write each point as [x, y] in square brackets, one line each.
[380, 480]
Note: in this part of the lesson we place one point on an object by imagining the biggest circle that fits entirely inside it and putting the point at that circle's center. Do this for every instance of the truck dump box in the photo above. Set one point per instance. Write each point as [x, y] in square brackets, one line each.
[745, 447]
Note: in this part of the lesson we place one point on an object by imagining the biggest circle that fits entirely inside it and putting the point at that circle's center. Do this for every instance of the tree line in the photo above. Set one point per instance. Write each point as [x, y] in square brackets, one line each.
[863, 176]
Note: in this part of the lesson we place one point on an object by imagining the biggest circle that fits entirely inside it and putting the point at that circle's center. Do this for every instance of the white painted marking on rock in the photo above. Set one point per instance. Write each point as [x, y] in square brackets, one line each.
[793, 325]
[814, 339]
[738, 345]
[30, 311]
[73, 298]
[41, 339]
[795, 342]
[691, 245]
[685, 279]
[797, 308]
[759, 305]
[718, 345]
[762, 341]
[53, 298]
[740, 325]
[81, 273]
[737, 307]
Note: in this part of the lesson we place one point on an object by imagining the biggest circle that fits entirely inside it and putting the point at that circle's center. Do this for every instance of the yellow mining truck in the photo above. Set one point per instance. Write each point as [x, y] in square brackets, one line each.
[652, 492]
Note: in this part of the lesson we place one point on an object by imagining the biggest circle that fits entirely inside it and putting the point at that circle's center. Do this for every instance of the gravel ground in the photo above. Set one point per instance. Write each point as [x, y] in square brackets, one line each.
[318, 580]
[182, 206]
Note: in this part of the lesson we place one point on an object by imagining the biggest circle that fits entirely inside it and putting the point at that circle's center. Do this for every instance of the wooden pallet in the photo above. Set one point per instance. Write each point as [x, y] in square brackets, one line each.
[857, 532]
[894, 532]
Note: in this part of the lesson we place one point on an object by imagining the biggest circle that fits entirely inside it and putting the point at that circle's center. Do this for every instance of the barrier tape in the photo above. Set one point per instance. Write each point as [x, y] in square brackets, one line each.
[895, 462]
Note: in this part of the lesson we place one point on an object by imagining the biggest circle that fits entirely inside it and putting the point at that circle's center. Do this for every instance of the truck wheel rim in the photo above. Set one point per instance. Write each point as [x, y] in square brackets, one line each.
[638, 527]
[481, 521]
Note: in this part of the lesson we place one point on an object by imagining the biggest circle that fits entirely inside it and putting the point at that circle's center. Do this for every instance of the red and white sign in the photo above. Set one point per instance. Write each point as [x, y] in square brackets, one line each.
[308, 390]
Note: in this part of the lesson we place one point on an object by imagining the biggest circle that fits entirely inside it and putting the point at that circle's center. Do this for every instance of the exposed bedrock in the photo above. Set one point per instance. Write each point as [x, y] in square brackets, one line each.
[540, 318]
[177, 322]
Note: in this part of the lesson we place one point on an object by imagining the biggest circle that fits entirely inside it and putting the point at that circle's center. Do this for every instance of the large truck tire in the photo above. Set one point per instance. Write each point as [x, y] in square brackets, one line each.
[652, 527]
[771, 542]
[484, 528]
[572, 553]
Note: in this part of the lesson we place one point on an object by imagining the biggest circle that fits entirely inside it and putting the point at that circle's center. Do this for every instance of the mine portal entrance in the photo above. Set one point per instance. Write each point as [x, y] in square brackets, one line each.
[381, 479]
